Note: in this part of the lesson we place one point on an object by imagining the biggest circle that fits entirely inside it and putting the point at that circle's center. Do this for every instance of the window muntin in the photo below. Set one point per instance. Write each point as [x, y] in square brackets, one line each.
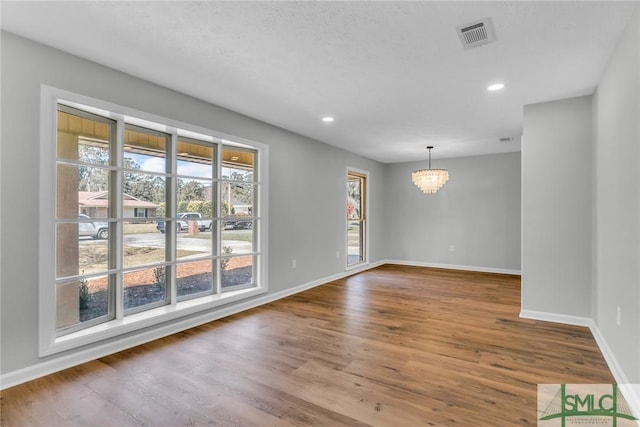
[130, 185]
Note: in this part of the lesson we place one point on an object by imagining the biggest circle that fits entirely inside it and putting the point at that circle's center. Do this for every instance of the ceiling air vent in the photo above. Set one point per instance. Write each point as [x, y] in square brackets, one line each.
[477, 33]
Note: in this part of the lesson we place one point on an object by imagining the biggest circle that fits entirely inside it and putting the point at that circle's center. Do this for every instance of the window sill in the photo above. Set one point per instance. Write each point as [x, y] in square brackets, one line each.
[146, 319]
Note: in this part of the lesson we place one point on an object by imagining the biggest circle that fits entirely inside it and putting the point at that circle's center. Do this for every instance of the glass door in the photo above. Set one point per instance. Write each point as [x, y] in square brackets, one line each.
[356, 218]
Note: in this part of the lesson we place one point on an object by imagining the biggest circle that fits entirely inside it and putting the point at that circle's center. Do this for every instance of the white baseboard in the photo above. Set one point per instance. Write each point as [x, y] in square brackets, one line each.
[20, 376]
[455, 267]
[557, 318]
[630, 391]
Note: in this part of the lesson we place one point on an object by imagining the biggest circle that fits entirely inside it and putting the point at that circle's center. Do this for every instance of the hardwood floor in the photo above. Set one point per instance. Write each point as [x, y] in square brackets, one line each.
[393, 346]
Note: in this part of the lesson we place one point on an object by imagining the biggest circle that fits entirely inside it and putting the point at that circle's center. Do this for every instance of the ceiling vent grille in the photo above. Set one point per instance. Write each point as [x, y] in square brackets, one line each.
[477, 33]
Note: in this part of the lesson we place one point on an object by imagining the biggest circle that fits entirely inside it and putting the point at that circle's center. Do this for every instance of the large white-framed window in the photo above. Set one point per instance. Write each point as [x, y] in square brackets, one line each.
[143, 220]
[357, 212]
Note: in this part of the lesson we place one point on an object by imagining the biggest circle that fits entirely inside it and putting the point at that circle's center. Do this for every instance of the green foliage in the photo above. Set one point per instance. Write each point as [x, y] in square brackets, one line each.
[224, 209]
[206, 209]
[192, 196]
[191, 190]
[89, 178]
[195, 206]
[224, 262]
[141, 186]
[159, 277]
[241, 176]
[84, 295]
[129, 163]
[238, 191]
[242, 193]
[182, 206]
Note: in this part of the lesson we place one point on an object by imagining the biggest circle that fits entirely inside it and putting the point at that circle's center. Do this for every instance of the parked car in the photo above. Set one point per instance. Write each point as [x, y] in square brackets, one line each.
[94, 229]
[238, 225]
[182, 223]
[161, 226]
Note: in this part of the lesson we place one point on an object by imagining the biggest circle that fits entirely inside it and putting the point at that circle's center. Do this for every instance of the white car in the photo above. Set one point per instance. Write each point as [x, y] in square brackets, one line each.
[94, 229]
[183, 220]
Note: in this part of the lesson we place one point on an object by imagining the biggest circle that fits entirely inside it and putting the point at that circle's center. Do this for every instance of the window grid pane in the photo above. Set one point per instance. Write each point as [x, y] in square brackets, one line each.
[102, 202]
[236, 272]
[195, 278]
[84, 146]
[144, 289]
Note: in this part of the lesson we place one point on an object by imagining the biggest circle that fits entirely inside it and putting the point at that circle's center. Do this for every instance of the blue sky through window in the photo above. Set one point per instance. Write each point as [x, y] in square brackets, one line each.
[158, 164]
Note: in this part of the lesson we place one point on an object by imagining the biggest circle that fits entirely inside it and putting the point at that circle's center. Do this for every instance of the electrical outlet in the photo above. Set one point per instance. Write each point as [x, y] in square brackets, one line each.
[293, 264]
[618, 316]
[452, 248]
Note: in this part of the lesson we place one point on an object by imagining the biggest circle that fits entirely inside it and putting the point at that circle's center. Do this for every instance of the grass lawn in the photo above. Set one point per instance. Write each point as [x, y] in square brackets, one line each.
[237, 235]
[246, 236]
[139, 228]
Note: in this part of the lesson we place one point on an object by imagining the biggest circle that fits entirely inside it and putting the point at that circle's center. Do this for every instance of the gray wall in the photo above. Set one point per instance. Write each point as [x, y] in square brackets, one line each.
[581, 204]
[477, 211]
[578, 209]
[556, 204]
[306, 192]
[617, 201]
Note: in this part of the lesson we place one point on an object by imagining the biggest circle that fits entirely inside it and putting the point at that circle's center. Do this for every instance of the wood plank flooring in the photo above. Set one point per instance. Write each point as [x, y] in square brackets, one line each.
[393, 346]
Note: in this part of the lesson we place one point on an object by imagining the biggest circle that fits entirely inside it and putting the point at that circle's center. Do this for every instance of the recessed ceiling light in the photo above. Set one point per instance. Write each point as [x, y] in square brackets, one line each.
[327, 119]
[496, 86]
[235, 158]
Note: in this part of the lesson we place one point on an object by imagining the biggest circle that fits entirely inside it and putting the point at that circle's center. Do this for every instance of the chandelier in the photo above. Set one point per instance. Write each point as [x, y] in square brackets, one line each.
[430, 180]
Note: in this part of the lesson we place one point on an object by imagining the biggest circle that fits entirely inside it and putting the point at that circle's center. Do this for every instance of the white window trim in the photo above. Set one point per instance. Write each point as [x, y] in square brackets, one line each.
[48, 342]
[365, 261]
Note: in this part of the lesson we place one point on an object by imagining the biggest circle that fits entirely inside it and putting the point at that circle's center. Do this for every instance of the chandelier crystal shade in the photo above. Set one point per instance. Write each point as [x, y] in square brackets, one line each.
[430, 180]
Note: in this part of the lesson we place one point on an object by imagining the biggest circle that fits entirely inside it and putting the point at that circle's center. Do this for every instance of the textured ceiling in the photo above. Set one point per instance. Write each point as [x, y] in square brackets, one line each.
[393, 74]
